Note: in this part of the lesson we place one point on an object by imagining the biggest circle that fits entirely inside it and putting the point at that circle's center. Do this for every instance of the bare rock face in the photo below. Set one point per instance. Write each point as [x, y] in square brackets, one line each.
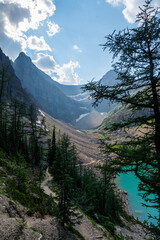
[15, 224]
[11, 218]
[8, 207]
[133, 232]
[46, 91]
[13, 87]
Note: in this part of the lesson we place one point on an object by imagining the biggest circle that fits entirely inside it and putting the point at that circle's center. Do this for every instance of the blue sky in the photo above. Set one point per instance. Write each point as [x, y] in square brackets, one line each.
[62, 37]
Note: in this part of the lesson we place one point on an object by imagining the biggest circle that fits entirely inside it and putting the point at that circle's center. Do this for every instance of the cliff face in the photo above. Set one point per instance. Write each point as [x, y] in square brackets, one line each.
[45, 91]
[64, 102]
[13, 87]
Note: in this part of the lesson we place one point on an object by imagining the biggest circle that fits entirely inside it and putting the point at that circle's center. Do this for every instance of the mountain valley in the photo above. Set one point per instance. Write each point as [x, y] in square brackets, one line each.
[68, 109]
[64, 102]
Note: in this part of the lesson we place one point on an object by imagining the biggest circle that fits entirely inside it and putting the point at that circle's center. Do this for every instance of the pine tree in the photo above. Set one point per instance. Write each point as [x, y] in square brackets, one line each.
[138, 88]
[3, 80]
[63, 170]
[107, 183]
[37, 134]
[52, 148]
[3, 110]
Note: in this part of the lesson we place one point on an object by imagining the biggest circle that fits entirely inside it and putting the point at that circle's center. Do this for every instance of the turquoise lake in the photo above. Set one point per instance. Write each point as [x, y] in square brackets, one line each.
[129, 182]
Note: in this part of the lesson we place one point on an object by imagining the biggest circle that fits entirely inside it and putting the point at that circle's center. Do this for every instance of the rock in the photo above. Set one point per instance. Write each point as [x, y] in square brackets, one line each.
[15, 224]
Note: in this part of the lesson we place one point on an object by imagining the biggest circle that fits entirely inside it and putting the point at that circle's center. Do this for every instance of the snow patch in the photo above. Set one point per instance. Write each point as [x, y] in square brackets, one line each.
[38, 122]
[78, 131]
[82, 116]
[41, 113]
[80, 99]
[84, 108]
[78, 95]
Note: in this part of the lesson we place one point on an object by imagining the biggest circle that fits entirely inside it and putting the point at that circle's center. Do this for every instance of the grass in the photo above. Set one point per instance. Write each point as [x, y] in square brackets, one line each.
[20, 182]
[76, 232]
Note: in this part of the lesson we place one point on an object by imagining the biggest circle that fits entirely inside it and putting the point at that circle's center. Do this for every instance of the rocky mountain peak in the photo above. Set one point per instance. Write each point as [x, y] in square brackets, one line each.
[109, 78]
[23, 57]
[13, 88]
[46, 91]
[4, 60]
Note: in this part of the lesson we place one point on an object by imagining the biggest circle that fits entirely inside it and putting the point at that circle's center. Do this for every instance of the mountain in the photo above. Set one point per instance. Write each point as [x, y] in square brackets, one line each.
[109, 78]
[46, 92]
[13, 87]
[64, 102]
[90, 120]
[75, 92]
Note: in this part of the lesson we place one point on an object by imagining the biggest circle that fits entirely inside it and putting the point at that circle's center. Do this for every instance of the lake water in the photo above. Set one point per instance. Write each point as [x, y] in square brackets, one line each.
[129, 182]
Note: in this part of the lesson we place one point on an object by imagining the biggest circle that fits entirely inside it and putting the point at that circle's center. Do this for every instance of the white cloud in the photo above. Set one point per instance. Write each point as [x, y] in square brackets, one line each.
[75, 47]
[37, 43]
[66, 73]
[10, 47]
[37, 11]
[131, 7]
[53, 29]
[45, 62]
[114, 2]
[17, 17]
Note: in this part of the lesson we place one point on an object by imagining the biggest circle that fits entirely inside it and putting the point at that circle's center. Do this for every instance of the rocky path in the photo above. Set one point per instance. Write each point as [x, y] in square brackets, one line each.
[44, 184]
[15, 224]
[87, 229]
[89, 153]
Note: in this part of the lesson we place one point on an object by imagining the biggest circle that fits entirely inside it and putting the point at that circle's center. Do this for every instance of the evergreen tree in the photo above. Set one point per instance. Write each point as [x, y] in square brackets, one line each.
[52, 148]
[137, 87]
[4, 121]
[89, 197]
[3, 80]
[66, 209]
[15, 125]
[63, 171]
[3, 110]
[37, 134]
[107, 183]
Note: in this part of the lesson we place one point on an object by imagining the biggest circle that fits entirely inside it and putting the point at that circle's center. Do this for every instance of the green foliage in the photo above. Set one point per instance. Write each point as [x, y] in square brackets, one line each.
[138, 89]
[78, 234]
[22, 152]
[78, 186]
[154, 232]
[97, 198]
[3, 82]
[21, 182]
[19, 132]
[36, 139]
[52, 148]
[22, 143]
[64, 173]
[105, 221]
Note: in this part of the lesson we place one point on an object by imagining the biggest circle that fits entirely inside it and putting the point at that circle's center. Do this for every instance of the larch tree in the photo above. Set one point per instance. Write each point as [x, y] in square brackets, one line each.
[138, 88]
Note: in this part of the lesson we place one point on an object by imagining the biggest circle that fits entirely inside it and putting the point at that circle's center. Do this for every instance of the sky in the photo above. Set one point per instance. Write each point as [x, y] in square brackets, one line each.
[63, 37]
